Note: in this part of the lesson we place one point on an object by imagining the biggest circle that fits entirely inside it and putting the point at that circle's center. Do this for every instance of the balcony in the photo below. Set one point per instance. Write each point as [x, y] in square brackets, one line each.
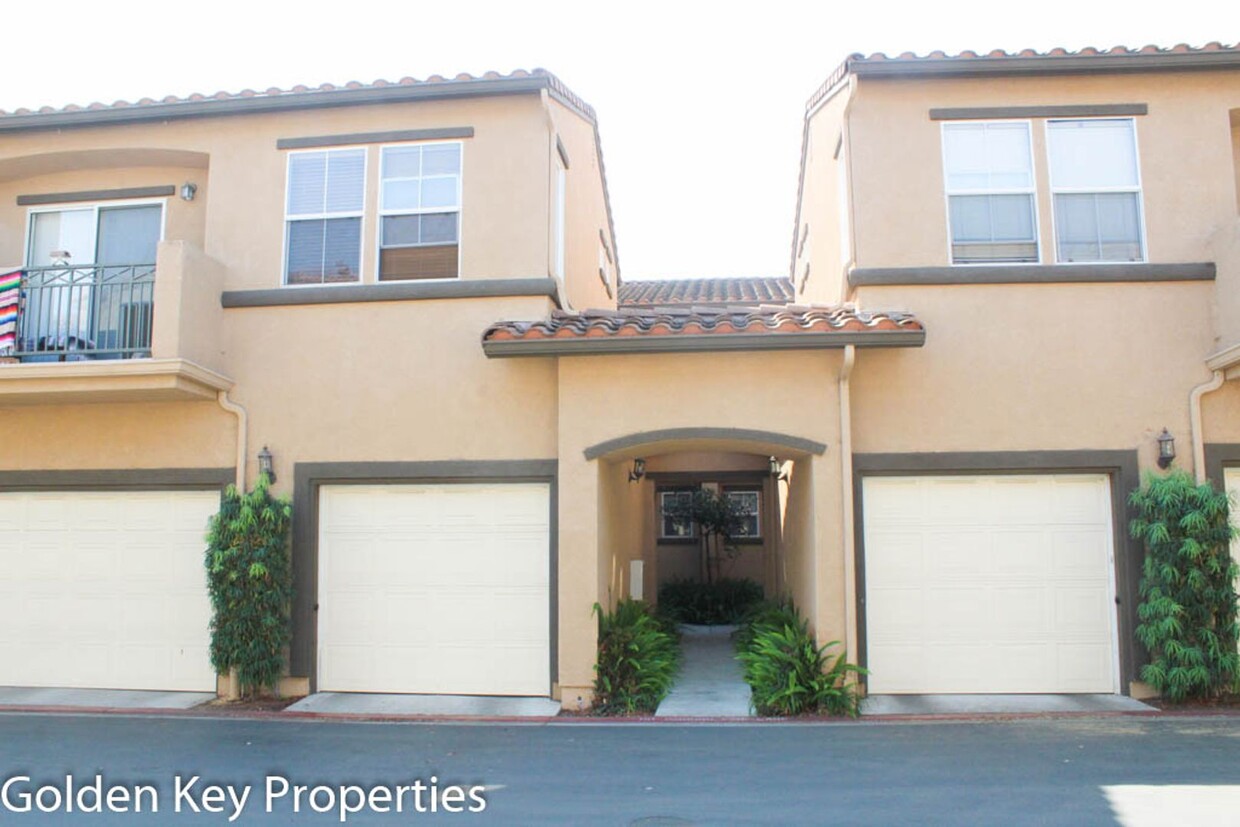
[114, 333]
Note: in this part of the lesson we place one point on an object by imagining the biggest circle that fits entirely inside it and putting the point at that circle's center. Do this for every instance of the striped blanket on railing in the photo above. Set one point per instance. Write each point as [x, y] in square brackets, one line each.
[10, 293]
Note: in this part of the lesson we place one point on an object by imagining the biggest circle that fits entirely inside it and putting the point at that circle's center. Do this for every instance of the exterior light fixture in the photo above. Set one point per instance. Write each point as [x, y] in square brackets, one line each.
[638, 470]
[266, 464]
[188, 191]
[775, 466]
[1166, 449]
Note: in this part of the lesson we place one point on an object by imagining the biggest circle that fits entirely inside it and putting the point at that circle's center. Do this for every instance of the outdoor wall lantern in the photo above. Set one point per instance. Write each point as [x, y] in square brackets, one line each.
[775, 466]
[1166, 449]
[188, 191]
[638, 470]
[266, 464]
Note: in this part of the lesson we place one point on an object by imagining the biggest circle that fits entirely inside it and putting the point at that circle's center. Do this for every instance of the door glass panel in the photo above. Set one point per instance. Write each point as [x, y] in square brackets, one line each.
[129, 235]
[71, 231]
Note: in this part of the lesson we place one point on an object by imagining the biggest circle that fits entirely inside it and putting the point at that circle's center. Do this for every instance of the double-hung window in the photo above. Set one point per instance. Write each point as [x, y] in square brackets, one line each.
[673, 524]
[748, 507]
[419, 212]
[1096, 187]
[323, 216]
[988, 169]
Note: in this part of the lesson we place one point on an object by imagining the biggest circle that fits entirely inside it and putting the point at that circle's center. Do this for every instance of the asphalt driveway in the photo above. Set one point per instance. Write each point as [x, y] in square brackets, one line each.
[1018, 772]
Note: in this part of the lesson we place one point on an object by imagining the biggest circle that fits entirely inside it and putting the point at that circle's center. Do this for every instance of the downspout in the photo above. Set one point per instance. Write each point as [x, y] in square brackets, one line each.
[239, 412]
[1194, 422]
[846, 479]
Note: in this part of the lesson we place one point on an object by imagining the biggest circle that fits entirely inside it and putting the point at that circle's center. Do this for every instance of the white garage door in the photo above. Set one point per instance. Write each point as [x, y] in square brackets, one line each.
[979, 584]
[435, 589]
[105, 589]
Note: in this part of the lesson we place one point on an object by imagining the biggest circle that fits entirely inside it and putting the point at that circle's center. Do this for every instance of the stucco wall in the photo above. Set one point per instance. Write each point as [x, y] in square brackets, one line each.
[820, 258]
[1034, 367]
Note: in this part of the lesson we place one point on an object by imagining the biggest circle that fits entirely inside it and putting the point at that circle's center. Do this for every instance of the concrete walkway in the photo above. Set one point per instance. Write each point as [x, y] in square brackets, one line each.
[23, 696]
[997, 704]
[710, 683]
[360, 703]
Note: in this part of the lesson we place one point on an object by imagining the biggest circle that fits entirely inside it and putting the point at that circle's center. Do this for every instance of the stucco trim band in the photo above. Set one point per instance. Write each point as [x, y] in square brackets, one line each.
[1121, 466]
[390, 291]
[702, 343]
[1085, 110]
[389, 137]
[308, 476]
[795, 443]
[116, 479]
[1031, 274]
[96, 195]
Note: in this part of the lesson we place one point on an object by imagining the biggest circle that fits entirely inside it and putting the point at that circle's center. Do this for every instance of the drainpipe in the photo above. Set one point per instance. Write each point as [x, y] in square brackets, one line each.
[239, 412]
[1194, 422]
[846, 477]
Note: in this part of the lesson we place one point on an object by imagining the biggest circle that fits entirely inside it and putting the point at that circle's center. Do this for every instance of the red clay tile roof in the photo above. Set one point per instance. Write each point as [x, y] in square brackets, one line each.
[733, 291]
[998, 61]
[781, 325]
[170, 106]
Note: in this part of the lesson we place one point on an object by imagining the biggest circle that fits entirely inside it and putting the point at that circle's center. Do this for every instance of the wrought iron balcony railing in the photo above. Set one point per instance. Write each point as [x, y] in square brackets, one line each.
[71, 313]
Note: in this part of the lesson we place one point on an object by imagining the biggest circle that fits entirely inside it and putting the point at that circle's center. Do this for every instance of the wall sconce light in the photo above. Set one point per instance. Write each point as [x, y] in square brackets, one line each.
[774, 466]
[638, 470]
[1166, 449]
[188, 191]
[266, 464]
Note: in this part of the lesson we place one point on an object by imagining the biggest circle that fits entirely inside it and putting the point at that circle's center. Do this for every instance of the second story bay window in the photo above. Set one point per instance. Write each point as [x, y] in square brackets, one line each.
[420, 207]
[1096, 186]
[988, 170]
[323, 216]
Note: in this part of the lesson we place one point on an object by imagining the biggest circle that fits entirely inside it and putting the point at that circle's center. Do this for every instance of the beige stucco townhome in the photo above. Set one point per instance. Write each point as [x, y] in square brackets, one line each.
[1008, 274]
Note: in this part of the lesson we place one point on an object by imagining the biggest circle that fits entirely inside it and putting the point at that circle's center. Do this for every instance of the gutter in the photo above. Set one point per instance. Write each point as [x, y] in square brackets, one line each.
[701, 343]
[1194, 420]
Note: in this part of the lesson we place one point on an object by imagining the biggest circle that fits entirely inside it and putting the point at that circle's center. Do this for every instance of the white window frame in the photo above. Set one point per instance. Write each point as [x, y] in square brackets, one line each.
[96, 206]
[757, 492]
[288, 219]
[1139, 189]
[559, 217]
[459, 209]
[674, 492]
[1031, 190]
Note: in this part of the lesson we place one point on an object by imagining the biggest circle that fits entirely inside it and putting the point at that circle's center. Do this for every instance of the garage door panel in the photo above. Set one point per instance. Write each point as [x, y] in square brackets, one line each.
[435, 588]
[992, 584]
[106, 590]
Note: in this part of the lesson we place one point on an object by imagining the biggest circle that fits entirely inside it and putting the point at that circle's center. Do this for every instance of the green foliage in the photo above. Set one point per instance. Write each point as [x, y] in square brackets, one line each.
[250, 580]
[1188, 608]
[718, 519]
[787, 670]
[723, 601]
[638, 656]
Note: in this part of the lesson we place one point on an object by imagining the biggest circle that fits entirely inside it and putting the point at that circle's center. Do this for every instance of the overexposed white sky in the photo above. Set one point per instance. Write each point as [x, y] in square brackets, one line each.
[699, 103]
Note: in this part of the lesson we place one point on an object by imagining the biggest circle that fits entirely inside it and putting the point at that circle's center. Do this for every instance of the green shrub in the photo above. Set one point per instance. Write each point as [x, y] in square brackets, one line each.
[250, 580]
[1188, 608]
[708, 604]
[787, 670]
[637, 660]
[766, 613]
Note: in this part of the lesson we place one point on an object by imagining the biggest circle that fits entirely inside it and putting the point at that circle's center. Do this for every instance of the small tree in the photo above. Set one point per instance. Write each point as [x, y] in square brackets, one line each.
[1188, 608]
[718, 519]
[249, 577]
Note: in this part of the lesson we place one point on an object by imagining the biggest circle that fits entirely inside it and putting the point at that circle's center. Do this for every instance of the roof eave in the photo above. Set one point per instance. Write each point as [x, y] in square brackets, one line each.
[701, 343]
[292, 101]
[1042, 64]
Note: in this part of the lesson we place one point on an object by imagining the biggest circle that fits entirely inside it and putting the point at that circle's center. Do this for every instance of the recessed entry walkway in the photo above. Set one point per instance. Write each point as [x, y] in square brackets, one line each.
[997, 704]
[482, 706]
[710, 683]
[22, 696]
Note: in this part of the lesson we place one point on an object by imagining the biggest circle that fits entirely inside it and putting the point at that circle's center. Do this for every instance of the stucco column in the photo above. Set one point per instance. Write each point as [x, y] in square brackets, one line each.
[828, 614]
[579, 577]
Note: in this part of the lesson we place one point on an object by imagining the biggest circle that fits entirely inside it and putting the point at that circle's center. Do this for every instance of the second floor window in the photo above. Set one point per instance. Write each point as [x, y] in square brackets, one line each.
[988, 169]
[419, 212]
[323, 216]
[1096, 188]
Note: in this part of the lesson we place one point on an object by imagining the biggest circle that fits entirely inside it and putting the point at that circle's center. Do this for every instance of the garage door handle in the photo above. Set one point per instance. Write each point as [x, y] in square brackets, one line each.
[316, 606]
